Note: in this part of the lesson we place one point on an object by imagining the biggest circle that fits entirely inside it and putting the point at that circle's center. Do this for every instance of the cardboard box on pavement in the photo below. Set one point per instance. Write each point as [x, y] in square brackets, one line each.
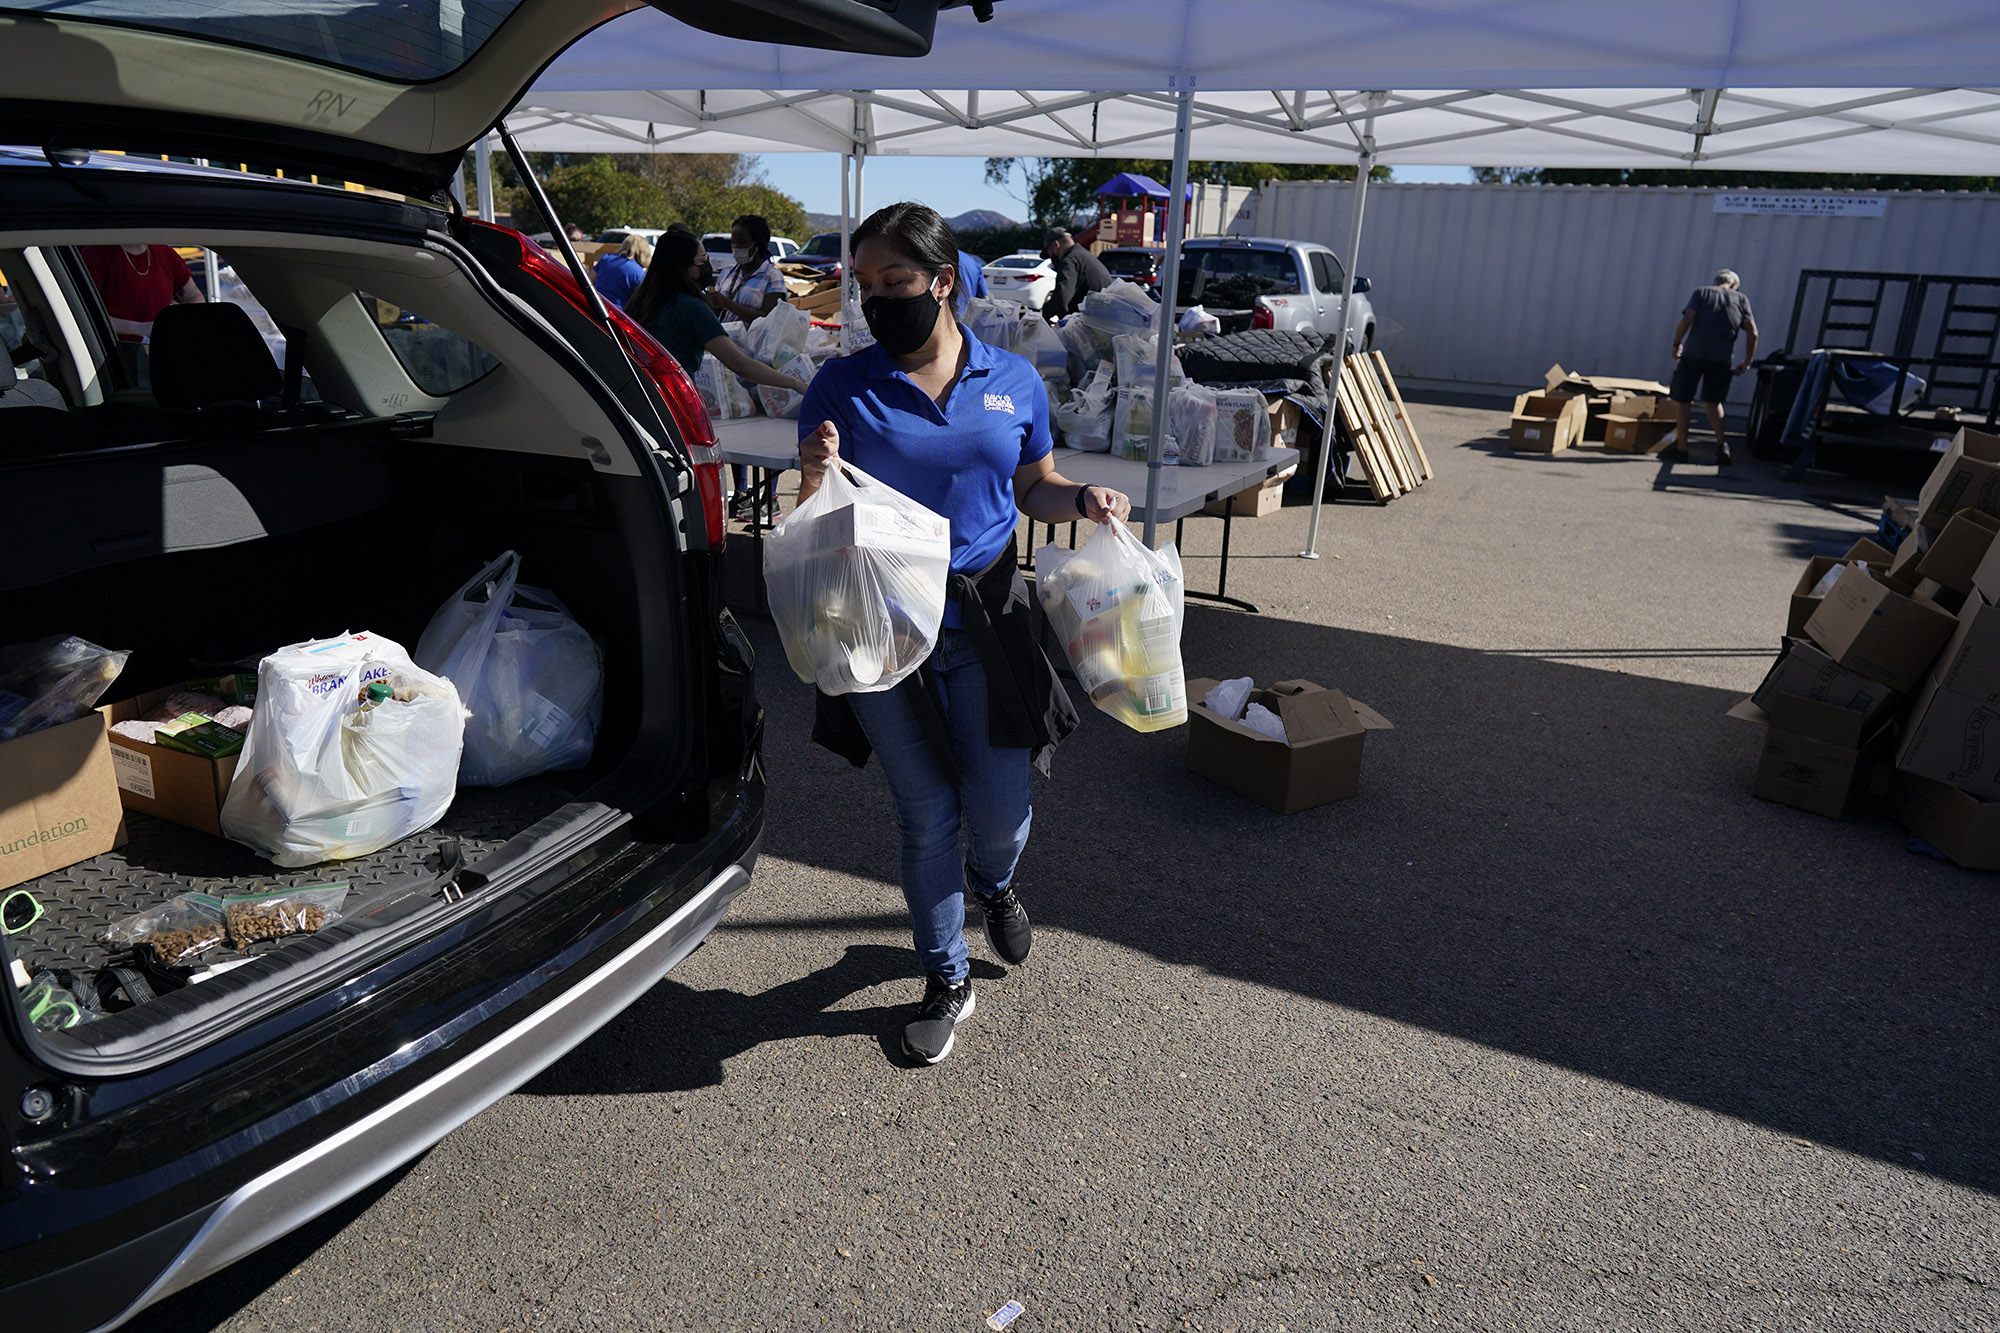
[1869, 627]
[58, 800]
[1803, 603]
[1318, 762]
[1952, 734]
[1967, 477]
[1816, 757]
[1956, 552]
[1961, 826]
[1638, 424]
[1545, 423]
[1802, 671]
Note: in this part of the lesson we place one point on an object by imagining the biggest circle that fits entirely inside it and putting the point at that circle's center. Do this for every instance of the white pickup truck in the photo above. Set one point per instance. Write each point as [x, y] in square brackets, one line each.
[1258, 282]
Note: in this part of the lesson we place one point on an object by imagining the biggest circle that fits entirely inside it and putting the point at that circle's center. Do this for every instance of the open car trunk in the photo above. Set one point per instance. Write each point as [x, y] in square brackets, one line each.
[430, 431]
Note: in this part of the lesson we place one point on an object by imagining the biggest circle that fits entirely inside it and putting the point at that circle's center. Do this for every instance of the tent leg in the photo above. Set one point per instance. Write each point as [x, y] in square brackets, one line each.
[1169, 287]
[846, 248]
[1363, 164]
[483, 174]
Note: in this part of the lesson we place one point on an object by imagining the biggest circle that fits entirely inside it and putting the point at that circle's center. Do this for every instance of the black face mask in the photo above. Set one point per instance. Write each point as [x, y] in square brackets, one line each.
[901, 324]
[707, 275]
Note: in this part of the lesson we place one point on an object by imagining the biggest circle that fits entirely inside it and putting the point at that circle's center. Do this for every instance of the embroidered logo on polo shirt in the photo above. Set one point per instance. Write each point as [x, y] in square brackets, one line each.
[1000, 402]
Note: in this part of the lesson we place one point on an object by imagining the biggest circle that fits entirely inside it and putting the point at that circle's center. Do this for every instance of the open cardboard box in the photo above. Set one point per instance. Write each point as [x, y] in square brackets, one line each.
[1318, 762]
[1886, 635]
[1545, 423]
[1638, 424]
[1962, 826]
[1802, 671]
[1967, 477]
[1816, 757]
[187, 789]
[1952, 732]
[1602, 395]
[58, 800]
[1803, 604]
[1955, 554]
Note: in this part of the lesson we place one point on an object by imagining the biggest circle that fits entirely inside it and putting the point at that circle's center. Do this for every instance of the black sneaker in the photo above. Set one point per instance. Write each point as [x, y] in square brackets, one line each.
[1007, 928]
[1722, 454]
[928, 1037]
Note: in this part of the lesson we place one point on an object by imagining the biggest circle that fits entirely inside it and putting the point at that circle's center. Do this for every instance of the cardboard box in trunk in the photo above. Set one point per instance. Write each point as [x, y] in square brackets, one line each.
[1638, 425]
[1963, 827]
[1318, 762]
[1545, 423]
[1803, 603]
[1967, 477]
[58, 800]
[1869, 627]
[1816, 757]
[187, 789]
[1956, 553]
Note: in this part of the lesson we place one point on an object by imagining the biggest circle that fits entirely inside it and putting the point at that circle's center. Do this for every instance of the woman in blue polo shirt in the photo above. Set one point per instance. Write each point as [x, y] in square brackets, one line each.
[963, 429]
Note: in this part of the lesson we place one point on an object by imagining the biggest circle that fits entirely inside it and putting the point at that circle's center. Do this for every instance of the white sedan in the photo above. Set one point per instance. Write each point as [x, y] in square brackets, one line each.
[1027, 278]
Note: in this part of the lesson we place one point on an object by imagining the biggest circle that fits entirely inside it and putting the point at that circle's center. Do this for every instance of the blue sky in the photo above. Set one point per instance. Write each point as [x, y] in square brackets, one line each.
[951, 185]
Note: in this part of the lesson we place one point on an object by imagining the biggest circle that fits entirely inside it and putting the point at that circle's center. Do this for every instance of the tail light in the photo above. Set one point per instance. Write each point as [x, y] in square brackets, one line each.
[1263, 318]
[658, 365]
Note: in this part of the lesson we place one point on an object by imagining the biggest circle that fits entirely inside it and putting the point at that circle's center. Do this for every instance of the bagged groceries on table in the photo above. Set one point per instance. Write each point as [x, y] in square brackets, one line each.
[1132, 428]
[530, 676]
[1084, 346]
[52, 681]
[856, 577]
[785, 329]
[352, 747]
[781, 402]
[1242, 426]
[1123, 307]
[722, 394]
[1117, 608]
[994, 321]
[1041, 344]
[1135, 355]
[1084, 422]
[1191, 418]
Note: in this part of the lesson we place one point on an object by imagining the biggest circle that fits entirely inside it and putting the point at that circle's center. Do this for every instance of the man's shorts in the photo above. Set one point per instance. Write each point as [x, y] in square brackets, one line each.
[1710, 377]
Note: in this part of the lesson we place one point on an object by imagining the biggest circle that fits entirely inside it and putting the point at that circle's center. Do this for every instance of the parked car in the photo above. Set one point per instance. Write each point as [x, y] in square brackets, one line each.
[822, 252]
[201, 503]
[783, 247]
[1264, 283]
[1024, 276]
[1136, 263]
[617, 235]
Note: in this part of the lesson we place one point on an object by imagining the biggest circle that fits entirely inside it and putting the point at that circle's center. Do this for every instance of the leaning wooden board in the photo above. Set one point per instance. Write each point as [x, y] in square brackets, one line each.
[1403, 413]
[1384, 424]
[1382, 478]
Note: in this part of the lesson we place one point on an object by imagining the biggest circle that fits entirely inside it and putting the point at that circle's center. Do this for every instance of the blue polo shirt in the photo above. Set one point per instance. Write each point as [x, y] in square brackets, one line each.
[957, 460]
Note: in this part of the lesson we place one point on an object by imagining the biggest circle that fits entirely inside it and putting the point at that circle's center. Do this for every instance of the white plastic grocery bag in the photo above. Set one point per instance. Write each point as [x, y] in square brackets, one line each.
[1117, 607]
[721, 392]
[784, 328]
[531, 676]
[856, 577]
[782, 402]
[1084, 422]
[352, 747]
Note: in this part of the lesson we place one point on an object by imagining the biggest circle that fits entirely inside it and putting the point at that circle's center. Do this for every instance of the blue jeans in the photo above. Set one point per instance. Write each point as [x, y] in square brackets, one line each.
[990, 803]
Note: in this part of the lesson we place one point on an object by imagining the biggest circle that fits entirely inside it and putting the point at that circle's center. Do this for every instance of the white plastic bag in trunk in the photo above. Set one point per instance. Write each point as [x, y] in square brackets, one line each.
[352, 747]
[856, 577]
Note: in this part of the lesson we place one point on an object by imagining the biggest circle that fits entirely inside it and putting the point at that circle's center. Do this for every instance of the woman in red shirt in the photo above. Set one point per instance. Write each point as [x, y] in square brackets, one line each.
[137, 282]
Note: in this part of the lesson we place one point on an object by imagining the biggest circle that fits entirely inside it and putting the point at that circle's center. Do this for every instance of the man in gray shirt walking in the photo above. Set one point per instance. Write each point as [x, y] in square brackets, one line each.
[1704, 347]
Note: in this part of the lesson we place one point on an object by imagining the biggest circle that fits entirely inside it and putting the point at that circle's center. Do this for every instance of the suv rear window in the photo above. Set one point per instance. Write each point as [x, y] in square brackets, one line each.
[408, 43]
[1236, 275]
[437, 360]
[1127, 263]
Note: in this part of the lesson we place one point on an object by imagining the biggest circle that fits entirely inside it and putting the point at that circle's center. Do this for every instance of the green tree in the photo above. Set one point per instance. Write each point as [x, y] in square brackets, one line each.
[595, 195]
[1056, 187]
[599, 190]
[1757, 180]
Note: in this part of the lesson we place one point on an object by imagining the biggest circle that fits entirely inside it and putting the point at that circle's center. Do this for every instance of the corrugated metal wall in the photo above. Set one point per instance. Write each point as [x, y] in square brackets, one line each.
[1490, 284]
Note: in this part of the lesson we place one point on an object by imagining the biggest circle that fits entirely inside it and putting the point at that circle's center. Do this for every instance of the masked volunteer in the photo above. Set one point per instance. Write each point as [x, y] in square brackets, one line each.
[751, 288]
[963, 429]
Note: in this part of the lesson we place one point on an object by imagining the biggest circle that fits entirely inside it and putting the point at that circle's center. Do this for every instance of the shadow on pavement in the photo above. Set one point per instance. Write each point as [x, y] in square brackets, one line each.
[1552, 860]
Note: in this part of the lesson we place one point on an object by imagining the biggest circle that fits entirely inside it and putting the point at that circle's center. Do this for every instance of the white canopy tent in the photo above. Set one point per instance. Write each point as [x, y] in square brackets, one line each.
[1788, 85]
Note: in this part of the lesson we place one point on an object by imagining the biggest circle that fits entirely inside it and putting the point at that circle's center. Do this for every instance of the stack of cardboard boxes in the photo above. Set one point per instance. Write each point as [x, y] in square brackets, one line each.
[1889, 682]
[1572, 408]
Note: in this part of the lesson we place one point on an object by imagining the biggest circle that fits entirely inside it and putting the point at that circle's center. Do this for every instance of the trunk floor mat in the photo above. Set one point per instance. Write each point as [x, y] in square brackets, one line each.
[163, 859]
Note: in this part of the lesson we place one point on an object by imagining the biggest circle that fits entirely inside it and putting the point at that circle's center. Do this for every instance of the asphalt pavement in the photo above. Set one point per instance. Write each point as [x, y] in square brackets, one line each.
[1554, 1026]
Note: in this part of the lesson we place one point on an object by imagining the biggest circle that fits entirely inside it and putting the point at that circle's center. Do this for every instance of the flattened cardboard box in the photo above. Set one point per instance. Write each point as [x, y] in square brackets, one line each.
[58, 800]
[1963, 827]
[1967, 477]
[1869, 627]
[1957, 552]
[1545, 423]
[1816, 757]
[1318, 762]
[188, 789]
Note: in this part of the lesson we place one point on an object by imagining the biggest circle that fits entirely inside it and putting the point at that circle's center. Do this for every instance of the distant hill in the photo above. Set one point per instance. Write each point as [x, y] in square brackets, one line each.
[820, 222]
[981, 219]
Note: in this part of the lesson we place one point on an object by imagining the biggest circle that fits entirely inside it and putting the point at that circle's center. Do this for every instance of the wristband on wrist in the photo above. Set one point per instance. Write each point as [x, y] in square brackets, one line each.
[1081, 510]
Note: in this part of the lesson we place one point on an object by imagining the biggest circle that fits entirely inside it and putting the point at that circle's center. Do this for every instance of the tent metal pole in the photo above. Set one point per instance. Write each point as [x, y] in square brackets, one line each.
[846, 248]
[1363, 165]
[1170, 285]
[483, 173]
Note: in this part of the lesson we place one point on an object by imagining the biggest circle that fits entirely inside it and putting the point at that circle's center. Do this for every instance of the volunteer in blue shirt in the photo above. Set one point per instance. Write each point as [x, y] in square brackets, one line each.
[963, 429]
[619, 274]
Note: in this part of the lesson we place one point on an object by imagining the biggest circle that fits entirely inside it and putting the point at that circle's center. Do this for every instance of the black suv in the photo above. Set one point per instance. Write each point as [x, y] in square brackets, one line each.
[1136, 263]
[378, 396]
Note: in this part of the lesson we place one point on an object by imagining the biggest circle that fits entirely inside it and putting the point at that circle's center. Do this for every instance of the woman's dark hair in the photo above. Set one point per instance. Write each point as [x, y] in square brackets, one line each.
[918, 234]
[760, 232]
[673, 255]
